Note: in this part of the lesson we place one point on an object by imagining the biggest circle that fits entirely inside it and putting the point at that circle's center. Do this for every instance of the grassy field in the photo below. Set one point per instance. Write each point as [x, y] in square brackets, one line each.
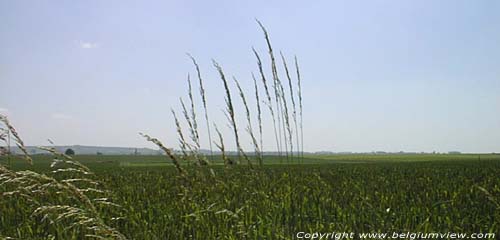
[427, 193]
[191, 196]
[187, 195]
[104, 161]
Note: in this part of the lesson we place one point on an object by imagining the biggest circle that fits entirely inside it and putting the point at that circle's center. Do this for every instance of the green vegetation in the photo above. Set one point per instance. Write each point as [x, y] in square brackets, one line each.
[243, 196]
[69, 152]
[116, 161]
[430, 193]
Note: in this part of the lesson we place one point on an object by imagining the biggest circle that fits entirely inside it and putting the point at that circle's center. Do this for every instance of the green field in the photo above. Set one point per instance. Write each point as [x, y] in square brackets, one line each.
[126, 161]
[360, 193]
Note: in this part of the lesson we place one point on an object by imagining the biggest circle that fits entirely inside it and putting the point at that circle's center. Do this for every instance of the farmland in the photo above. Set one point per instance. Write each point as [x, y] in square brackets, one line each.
[360, 193]
[185, 191]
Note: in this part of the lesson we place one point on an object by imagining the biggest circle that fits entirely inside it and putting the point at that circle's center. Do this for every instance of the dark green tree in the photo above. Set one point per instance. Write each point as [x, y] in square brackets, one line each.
[69, 152]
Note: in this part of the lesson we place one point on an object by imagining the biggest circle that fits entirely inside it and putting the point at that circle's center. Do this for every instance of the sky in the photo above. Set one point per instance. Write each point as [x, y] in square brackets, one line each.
[376, 75]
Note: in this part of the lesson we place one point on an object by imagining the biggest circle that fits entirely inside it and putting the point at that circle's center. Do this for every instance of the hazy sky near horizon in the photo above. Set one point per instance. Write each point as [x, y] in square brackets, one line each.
[377, 75]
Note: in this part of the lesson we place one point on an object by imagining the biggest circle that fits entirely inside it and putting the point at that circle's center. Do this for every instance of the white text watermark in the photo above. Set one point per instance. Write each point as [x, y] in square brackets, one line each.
[392, 235]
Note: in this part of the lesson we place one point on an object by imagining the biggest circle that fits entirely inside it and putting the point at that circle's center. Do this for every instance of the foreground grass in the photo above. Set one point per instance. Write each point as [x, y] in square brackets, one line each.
[450, 194]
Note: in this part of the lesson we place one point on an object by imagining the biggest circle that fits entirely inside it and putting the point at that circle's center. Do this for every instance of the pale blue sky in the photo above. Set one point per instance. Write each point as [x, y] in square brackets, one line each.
[377, 75]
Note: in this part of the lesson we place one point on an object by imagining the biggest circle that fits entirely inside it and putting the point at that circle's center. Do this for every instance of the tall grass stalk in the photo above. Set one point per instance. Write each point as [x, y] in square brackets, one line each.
[294, 113]
[193, 114]
[299, 93]
[184, 145]
[8, 148]
[69, 194]
[4, 138]
[249, 123]
[200, 156]
[204, 101]
[193, 127]
[259, 118]
[269, 102]
[227, 161]
[275, 86]
[167, 151]
[201, 160]
[76, 184]
[192, 133]
[229, 109]
[286, 126]
[19, 142]
[231, 115]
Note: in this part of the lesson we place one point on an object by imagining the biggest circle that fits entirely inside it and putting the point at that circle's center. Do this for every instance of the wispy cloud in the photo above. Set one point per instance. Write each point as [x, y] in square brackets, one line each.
[61, 116]
[88, 45]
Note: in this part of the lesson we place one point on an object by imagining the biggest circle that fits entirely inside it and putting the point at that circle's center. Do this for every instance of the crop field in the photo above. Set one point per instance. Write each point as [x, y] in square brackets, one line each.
[429, 193]
[244, 173]
[131, 161]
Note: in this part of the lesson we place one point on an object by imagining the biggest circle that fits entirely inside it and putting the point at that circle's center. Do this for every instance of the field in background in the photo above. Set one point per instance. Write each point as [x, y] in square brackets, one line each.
[105, 161]
[427, 193]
